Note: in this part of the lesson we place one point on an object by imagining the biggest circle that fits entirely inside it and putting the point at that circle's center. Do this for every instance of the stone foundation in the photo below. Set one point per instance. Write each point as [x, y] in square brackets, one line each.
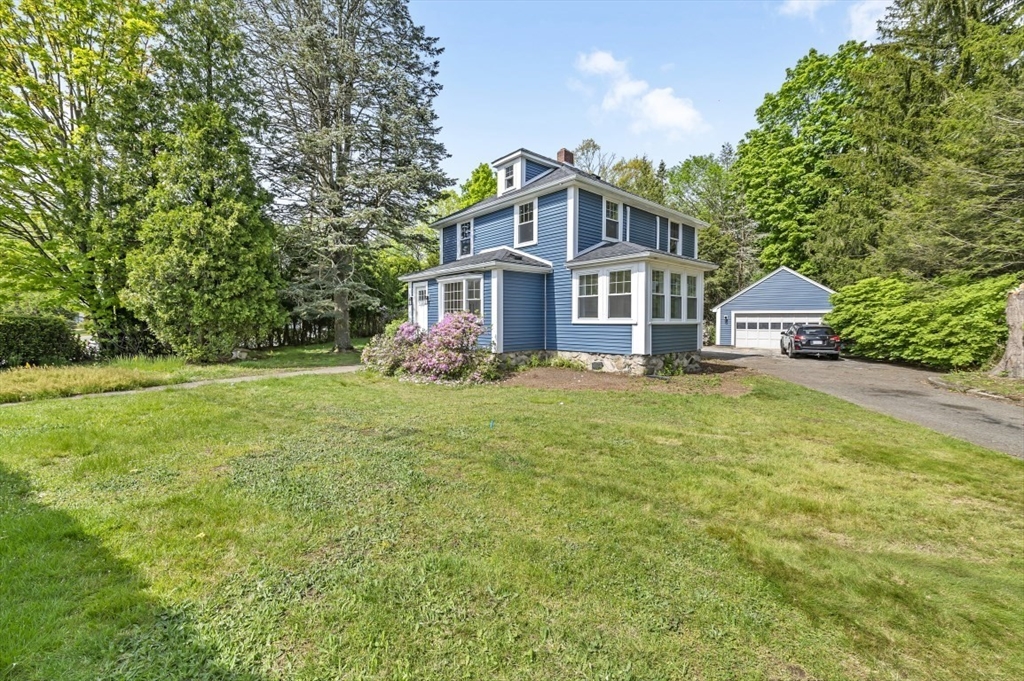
[635, 365]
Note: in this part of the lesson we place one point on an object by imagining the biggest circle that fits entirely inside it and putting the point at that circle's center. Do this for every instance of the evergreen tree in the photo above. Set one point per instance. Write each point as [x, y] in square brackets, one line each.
[349, 88]
[205, 276]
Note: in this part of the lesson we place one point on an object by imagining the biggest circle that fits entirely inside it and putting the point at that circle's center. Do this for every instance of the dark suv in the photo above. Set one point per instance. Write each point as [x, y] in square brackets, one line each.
[810, 340]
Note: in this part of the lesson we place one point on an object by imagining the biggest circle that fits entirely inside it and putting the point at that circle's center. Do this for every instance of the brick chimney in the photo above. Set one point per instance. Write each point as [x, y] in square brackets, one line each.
[565, 156]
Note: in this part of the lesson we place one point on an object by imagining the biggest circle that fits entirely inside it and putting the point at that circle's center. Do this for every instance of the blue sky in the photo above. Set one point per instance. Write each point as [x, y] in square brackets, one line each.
[668, 79]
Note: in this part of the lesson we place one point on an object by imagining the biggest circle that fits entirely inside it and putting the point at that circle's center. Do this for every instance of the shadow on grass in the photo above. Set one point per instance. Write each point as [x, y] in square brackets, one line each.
[69, 609]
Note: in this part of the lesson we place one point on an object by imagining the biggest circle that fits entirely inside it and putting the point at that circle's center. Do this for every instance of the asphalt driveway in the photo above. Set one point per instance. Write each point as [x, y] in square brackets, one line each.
[900, 392]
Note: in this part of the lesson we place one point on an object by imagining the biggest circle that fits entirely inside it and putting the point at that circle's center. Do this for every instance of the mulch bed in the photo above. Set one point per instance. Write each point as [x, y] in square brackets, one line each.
[714, 378]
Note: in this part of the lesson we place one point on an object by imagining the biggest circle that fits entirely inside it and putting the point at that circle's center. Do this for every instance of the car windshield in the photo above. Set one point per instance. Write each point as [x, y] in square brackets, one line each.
[816, 331]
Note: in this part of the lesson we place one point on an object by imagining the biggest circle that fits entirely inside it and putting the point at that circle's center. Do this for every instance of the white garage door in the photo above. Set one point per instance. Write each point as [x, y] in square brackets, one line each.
[763, 331]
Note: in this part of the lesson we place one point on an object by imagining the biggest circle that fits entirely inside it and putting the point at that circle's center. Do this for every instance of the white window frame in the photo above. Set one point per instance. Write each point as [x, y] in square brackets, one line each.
[635, 291]
[458, 239]
[515, 224]
[604, 220]
[695, 297]
[465, 300]
[678, 250]
[684, 273]
[509, 176]
[663, 295]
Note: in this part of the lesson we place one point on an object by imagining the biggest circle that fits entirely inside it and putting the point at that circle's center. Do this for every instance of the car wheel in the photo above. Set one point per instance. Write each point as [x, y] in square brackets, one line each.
[782, 349]
[791, 353]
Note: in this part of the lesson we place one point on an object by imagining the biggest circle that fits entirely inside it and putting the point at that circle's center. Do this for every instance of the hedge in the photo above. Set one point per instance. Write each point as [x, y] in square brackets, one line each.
[32, 339]
[957, 327]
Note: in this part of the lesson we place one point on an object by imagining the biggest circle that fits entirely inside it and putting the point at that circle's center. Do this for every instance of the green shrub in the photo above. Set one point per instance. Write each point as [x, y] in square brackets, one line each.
[37, 339]
[958, 327]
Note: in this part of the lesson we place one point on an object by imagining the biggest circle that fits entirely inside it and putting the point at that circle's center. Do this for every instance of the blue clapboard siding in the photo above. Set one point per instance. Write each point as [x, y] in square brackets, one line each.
[643, 227]
[590, 220]
[523, 307]
[779, 291]
[667, 338]
[493, 230]
[485, 337]
[562, 334]
[448, 244]
[534, 169]
[689, 241]
[663, 234]
[431, 302]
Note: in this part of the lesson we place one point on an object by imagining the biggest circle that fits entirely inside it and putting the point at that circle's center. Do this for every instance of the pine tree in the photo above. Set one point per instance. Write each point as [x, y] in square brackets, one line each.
[205, 276]
[349, 88]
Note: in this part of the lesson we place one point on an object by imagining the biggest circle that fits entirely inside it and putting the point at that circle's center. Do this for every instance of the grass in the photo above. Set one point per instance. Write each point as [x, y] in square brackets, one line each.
[33, 383]
[354, 527]
[982, 380]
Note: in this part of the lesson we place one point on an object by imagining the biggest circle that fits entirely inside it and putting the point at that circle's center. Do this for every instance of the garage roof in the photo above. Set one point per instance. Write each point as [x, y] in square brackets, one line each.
[764, 279]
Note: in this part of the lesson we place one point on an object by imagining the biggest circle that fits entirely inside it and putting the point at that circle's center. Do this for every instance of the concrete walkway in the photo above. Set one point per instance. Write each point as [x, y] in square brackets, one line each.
[320, 371]
[900, 392]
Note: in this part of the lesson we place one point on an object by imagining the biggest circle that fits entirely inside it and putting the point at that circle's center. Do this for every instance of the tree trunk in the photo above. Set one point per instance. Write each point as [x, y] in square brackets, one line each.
[342, 337]
[1012, 364]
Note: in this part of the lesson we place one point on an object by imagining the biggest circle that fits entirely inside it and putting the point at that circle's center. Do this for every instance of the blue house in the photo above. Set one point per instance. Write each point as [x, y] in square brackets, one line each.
[562, 263]
[756, 316]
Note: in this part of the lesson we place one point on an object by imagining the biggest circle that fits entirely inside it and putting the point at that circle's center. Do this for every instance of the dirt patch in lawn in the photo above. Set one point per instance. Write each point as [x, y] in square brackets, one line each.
[714, 378]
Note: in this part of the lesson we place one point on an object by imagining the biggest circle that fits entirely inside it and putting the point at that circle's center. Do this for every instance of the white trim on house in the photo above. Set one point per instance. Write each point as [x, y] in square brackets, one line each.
[780, 311]
[766, 278]
[684, 273]
[526, 154]
[479, 267]
[515, 224]
[571, 225]
[465, 299]
[641, 341]
[659, 256]
[458, 238]
[603, 293]
[497, 311]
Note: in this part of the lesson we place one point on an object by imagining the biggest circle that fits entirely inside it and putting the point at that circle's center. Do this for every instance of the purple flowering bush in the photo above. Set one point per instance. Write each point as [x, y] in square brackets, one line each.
[387, 352]
[448, 352]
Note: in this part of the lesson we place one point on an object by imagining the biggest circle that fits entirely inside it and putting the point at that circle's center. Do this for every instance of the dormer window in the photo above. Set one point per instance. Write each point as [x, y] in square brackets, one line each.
[465, 239]
[526, 224]
[611, 221]
[510, 177]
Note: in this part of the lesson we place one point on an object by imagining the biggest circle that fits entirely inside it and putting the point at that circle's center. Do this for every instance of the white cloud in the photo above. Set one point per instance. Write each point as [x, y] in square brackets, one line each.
[864, 16]
[803, 8]
[649, 109]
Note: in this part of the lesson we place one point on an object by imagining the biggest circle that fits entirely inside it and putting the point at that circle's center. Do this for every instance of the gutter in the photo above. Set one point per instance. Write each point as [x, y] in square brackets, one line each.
[658, 256]
[478, 267]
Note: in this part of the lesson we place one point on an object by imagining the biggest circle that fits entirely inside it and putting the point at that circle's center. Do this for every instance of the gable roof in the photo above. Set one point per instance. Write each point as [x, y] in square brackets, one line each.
[766, 278]
[562, 173]
[499, 258]
[624, 250]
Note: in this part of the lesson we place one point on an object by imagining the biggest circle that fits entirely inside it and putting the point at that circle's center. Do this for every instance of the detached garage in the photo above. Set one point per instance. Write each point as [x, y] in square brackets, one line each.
[756, 316]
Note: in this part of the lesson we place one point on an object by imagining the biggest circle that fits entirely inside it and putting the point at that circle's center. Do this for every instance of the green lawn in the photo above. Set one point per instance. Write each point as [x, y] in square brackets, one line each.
[982, 380]
[354, 527]
[33, 383]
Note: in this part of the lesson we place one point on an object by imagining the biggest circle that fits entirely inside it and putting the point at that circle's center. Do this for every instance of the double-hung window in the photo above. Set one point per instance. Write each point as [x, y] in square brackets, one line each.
[657, 294]
[453, 298]
[465, 239]
[510, 177]
[673, 237]
[526, 225]
[675, 291]
[586, 296]
[691, 297]
[620, 295]
[464, 295]
[611, 220]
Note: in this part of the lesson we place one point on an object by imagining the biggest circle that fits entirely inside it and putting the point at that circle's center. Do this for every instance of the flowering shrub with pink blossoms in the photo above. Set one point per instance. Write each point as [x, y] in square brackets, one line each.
[448, 352]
